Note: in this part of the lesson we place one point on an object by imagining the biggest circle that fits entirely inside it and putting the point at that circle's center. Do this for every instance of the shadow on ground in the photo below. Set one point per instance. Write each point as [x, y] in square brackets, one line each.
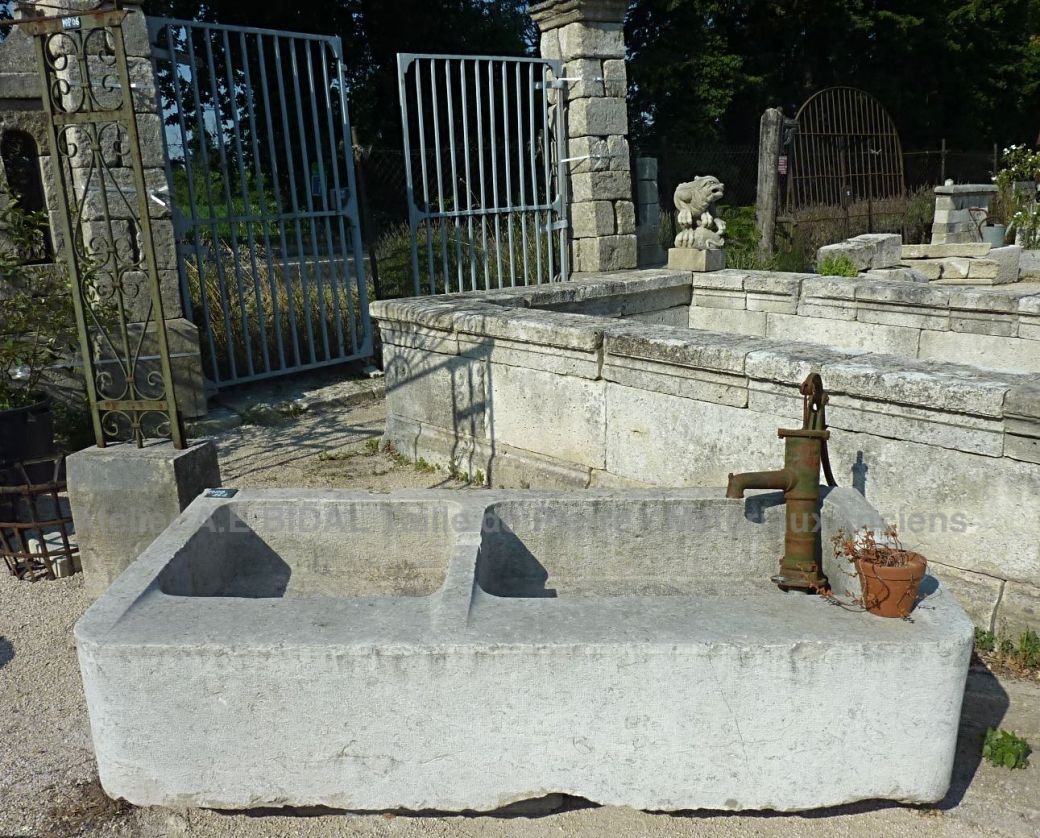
[6, 652]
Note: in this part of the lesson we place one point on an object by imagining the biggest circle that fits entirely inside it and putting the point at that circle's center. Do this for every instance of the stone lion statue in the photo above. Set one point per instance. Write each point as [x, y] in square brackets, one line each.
[695, 201]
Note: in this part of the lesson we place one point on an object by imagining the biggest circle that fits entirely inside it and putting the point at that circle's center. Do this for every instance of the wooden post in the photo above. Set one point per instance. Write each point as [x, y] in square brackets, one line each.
[769, 135]
[942, 162]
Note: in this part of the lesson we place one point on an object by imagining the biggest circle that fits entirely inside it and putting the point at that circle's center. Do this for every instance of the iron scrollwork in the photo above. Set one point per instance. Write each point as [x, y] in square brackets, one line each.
[106, 228]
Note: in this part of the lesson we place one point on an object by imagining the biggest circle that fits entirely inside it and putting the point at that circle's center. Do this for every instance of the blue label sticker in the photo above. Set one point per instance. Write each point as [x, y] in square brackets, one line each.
[221, 493]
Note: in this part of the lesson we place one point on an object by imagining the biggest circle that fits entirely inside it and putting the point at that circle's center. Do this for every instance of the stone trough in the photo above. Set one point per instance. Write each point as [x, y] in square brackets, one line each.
[467, 650]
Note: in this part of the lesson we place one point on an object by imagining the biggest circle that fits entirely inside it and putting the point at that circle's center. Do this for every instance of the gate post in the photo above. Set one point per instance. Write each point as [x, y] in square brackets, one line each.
[588, 37]
[768, 195]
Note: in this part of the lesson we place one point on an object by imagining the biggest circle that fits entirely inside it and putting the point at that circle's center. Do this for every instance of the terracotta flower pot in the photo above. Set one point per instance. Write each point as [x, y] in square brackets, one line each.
[891, 591]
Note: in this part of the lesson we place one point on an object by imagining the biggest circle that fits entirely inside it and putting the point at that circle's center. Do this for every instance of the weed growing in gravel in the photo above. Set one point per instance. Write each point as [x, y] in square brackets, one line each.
[1021, 657]
[1004, 748]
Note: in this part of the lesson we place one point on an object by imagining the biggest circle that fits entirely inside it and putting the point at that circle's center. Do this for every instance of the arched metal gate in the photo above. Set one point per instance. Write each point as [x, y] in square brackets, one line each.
[846, 163]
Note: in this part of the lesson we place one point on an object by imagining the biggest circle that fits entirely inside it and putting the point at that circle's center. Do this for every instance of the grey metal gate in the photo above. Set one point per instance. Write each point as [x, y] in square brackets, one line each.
[259, 157]
[490, 205]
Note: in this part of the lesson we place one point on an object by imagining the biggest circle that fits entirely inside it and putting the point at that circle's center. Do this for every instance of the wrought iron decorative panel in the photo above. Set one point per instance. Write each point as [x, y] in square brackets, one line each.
[105, 230]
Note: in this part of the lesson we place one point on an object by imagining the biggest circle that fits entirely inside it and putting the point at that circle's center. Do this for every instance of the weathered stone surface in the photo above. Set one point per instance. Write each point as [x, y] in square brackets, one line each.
[606, 253]
[601, 186]
[445, 390]
[625, 217]
[871, 250]
[731, 320]
[1019, 609]
[549, 414]
[424, 605]
[593, 218]
[690, 259]
[977, 593]
[993, 352]
[592, 40]
[597, 116]
[936, 251]
[122, 497]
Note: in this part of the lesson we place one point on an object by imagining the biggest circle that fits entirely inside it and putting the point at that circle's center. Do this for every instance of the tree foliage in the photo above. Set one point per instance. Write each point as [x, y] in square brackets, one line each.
[967, 70]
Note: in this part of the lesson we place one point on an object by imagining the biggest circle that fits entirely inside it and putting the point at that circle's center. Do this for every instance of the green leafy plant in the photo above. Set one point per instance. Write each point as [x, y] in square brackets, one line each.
[1005, 652]
[840, 265]
[1004, 748]
[38, 327]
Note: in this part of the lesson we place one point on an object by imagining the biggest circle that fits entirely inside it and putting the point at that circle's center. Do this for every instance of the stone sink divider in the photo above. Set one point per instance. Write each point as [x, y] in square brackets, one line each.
[600, 382]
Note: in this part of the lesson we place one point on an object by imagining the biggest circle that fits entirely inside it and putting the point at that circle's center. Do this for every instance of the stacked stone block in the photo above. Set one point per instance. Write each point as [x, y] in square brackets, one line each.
[649, 213]
[954, 219]
[588, 37]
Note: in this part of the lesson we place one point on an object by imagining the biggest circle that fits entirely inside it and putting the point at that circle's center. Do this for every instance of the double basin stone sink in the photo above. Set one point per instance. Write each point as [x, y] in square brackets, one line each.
[462, 651]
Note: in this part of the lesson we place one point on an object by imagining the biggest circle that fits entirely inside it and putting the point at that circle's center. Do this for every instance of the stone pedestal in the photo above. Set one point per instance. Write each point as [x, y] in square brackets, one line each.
[122, 497]
[691, 259]
[588, 37]
[954, 221]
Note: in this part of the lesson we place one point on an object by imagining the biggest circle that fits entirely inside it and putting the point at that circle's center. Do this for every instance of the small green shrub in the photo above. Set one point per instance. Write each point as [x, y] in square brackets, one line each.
[985, 640]
[1004, 748]
[1023, 655]
[840, 265]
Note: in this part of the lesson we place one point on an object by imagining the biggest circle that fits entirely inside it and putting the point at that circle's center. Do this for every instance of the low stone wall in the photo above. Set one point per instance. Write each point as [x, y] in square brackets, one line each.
[517, 388]
[995, 328]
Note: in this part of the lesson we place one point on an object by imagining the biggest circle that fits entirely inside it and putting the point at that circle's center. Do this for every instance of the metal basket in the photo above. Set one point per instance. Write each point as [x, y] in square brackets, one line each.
[35, 522]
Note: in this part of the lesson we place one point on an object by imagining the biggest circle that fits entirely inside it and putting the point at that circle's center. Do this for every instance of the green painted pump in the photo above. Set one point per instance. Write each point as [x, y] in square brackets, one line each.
[804, 452]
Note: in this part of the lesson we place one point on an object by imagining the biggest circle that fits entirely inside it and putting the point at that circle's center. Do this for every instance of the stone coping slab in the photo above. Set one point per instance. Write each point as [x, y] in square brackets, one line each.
[465, 650]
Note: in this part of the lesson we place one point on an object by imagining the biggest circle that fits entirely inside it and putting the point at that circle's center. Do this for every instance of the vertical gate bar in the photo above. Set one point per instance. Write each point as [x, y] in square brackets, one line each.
[449, 92]
[247, 202]
[469, 181]
[493, 137]
[359, 256]
[285, 282]
[427, 222]
[187, 304]
[294, 198]
[262, 194]
[309, 202]
[413, 209]
[440, 173]
[326, 221]
[477, 87]
[550, 262]
[564, 179]
[200, 116]
[218, 123]
[189, 168]
[533, 140]
[521, 174]
[507, 160]
[355, 215]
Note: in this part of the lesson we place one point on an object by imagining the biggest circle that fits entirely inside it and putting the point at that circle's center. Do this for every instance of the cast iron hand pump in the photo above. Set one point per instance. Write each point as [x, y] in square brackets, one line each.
[805, 449]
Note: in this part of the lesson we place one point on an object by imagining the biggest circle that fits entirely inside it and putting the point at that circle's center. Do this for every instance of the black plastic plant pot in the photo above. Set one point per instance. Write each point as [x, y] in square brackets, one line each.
[26, 433]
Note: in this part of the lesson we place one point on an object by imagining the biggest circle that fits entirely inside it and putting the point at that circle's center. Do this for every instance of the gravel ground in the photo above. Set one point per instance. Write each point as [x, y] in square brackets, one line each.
[48, 782]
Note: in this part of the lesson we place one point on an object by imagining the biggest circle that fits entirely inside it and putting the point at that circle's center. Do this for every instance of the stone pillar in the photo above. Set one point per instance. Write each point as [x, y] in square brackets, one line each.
[123, 497]
[651, 254]
[770, 132]
[959, 208]
[588, 37]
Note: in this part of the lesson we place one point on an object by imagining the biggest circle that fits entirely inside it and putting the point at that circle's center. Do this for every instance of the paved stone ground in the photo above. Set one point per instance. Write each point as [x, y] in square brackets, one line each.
[48, 783]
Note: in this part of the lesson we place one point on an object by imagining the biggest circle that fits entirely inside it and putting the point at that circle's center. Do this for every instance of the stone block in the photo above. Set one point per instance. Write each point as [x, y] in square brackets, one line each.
[859, 253]
[977, 593]
[987, 351]
[625, 217]
[592, 218]
[591, 40]
[931, 269]
[699, 261]
[615, 78]
[732, 320]
[587, 78]
[606, 253]
[597, 116]
[558, 416]
[443, 390]
[871, 250]
[938, 251]
[123, 497]
[646, 168]
[844, 334]
[601, 186]
[1019, 609]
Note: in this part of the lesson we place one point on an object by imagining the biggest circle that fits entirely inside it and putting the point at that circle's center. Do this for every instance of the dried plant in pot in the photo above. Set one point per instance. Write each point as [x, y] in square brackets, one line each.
[890, 575]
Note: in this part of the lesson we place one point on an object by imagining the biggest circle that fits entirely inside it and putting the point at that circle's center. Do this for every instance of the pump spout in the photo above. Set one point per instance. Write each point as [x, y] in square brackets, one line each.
[805, 450]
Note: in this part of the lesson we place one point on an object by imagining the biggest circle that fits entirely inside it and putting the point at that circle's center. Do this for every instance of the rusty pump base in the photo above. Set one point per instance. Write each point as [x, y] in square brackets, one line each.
[805, 449]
